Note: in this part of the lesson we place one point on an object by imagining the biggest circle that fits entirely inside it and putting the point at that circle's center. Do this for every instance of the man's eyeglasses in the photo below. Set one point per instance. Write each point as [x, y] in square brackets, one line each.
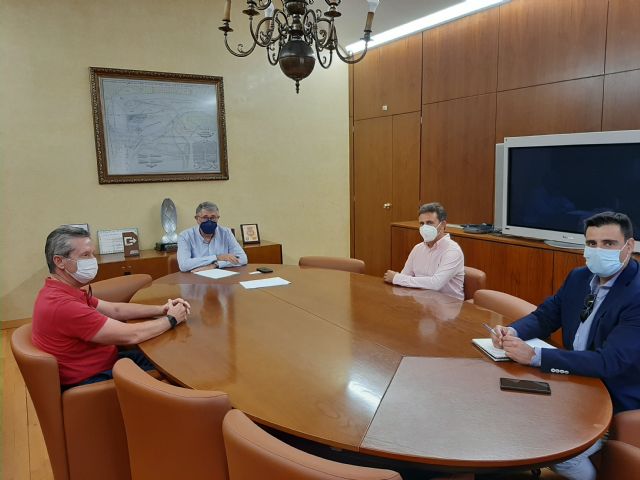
[589, 301]
[206, 219]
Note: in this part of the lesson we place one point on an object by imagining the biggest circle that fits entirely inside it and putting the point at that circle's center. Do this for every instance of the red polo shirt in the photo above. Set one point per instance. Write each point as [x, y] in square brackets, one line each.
[65, 320]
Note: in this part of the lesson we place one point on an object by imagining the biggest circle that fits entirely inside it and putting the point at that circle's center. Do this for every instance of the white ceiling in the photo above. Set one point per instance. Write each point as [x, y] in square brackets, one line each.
[390, 13]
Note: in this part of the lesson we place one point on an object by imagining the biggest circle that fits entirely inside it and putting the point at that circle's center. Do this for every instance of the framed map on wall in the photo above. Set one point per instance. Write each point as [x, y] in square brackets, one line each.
[158, 127]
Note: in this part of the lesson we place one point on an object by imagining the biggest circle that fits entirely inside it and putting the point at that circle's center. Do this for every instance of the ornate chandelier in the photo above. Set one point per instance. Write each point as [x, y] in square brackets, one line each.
[295, 34]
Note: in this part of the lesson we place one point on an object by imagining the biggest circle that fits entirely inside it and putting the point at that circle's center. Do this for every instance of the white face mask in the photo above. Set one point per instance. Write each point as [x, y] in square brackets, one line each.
[429, 232]
[604, 262]
[87, 270]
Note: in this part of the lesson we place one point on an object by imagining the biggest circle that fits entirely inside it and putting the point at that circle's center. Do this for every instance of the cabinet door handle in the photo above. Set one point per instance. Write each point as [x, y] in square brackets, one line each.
[386, 206]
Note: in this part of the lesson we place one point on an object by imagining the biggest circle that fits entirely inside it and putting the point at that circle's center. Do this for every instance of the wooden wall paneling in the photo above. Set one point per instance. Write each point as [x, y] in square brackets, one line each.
[563, 263]
[460, 58]
[573, 106]
[401, 71]
[544, 41]
[402, 242]
[623, 36]
[521, 271]
[367, 86]
[372, 189]
[621, 108]
[458, 157]
[406, 166]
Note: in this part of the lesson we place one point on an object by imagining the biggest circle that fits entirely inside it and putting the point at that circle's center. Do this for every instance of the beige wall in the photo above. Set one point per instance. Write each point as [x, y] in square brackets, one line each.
[288, 153]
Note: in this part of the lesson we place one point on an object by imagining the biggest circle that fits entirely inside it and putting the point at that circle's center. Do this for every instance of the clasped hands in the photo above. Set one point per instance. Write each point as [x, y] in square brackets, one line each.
[223, 257]
[178, 308]
[515, 348]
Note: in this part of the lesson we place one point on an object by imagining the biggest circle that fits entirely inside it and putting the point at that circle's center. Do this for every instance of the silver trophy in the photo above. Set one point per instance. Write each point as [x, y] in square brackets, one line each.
[169, 220]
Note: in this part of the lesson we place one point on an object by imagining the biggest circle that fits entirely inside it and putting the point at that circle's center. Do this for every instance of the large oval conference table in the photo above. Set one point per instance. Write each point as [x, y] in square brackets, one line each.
[351, 362]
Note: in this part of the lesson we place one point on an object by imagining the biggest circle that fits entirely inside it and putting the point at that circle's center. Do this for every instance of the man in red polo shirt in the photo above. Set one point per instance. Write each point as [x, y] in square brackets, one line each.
[82, 331]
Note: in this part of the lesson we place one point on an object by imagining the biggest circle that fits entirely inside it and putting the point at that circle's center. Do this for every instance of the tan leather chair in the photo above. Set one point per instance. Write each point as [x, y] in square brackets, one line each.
[120, 289]
[333, 263]
[620, 456]
[510, 307]
[252, 453]
[474, 279]
[82, 427]
[172, 432]
[506, 305]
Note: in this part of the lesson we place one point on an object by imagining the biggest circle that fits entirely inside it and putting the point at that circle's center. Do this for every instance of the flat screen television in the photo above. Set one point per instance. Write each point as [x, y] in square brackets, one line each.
[547, 185]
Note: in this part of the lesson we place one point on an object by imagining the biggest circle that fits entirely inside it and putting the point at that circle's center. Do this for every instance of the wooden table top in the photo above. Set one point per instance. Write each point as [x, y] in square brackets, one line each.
[349, 361]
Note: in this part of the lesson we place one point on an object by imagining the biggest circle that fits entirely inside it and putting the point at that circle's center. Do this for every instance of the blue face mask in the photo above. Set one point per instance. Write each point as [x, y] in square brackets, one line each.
[603, 262]
[208, 227]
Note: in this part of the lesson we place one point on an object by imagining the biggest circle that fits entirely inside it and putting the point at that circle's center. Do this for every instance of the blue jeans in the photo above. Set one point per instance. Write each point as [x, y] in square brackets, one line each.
[136, 355]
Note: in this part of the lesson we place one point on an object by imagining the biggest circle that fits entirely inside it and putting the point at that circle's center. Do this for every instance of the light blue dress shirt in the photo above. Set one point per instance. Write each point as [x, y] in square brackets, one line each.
[194, 251]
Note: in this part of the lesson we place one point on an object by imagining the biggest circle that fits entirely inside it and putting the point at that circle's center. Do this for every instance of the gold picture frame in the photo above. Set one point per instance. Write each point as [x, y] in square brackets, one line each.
[158, 126]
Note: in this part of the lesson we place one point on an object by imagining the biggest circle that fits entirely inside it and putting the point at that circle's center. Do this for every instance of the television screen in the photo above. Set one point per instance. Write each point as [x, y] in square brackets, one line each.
[556, 187]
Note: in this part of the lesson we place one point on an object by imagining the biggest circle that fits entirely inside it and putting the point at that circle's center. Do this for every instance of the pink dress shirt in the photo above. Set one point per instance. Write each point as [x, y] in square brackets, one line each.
[440, 268]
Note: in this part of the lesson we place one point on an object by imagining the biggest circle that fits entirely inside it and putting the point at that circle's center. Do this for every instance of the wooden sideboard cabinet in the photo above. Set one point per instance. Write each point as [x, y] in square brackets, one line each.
[158, 264]
[152, 262]
[528, 269]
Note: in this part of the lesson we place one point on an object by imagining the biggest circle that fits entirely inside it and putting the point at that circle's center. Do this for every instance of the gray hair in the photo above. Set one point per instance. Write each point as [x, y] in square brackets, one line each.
[208, 207]
[434, 207]
[59, 243]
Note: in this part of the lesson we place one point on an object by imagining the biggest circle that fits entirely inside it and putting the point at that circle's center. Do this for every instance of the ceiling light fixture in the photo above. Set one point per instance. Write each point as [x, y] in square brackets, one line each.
[295, 34]
[424, 23]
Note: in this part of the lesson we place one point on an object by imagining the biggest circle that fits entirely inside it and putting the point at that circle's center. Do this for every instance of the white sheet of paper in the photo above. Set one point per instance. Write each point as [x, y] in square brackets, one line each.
[267, 282]
[216, 273]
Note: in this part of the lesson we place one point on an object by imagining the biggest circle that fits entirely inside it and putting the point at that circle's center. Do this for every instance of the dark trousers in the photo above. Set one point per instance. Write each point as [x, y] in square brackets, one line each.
[136, 355]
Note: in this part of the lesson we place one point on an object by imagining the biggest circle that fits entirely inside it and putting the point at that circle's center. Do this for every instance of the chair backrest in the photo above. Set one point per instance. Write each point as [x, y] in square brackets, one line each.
[172, 432]
[333, 263]
[503, 303]
[120, 289]
[474, 279]
[253, 453]
[40, 373]
[173, 263]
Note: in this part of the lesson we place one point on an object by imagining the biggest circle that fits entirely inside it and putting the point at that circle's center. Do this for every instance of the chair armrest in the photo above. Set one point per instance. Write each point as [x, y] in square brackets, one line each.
[619, 460]
[625, 427]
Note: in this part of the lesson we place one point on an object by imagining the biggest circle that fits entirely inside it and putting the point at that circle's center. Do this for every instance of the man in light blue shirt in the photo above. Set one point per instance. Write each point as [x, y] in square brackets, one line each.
[208, 245]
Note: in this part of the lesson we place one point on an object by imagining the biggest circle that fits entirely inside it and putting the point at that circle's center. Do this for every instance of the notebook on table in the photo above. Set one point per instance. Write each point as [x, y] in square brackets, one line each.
[497, 354]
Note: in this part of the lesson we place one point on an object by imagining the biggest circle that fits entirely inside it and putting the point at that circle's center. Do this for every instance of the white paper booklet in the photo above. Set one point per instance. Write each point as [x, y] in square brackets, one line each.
[499, 355]
[267, 282]
[215, 273]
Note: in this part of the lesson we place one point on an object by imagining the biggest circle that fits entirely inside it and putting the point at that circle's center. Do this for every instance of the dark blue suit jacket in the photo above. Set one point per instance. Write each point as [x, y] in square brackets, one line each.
[613, 346]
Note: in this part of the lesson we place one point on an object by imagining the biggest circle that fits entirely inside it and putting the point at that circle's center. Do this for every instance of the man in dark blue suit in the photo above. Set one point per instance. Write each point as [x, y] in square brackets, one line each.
[598, 309]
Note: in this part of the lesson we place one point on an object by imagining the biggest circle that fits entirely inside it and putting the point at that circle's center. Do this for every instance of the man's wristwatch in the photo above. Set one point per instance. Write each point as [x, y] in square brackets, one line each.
[172, 321]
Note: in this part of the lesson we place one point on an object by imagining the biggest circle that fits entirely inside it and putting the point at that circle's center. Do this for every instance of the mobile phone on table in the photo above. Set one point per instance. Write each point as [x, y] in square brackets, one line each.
[264, 270]
[528, 386]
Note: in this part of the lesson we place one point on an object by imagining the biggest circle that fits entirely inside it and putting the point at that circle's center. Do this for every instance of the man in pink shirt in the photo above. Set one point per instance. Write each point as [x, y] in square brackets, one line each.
[438, 262]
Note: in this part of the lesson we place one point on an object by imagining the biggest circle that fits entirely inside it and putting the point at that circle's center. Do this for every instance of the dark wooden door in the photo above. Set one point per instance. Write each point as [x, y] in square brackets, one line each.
[372, 195]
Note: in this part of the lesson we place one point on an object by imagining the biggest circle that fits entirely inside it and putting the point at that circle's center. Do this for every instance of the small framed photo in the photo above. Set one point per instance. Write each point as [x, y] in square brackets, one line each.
[250, 233]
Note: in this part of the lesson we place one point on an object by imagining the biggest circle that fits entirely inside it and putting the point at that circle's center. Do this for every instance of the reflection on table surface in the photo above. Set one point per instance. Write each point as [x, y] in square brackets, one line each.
[349, 361]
